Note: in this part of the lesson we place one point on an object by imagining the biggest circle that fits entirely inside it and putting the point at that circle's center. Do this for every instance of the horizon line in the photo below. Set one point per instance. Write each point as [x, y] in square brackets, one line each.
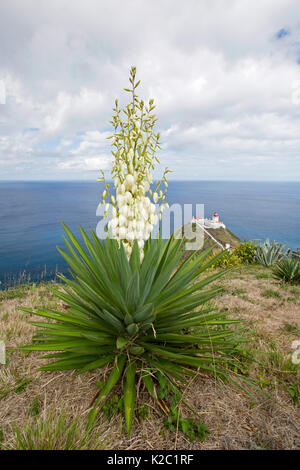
[170, 180]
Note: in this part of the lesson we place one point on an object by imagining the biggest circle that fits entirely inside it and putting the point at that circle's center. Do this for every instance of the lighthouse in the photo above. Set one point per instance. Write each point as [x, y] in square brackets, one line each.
[214, 222]
[215, 217]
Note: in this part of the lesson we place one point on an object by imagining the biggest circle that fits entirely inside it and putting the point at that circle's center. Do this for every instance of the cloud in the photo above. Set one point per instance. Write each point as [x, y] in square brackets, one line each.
[69, 111]
[224, 77]
[88, 155]
[85, 163]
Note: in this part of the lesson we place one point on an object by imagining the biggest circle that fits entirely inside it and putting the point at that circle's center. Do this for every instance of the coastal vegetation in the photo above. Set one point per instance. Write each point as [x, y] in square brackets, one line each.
[243, 253]
[134, 304]
[271, 255]
[32, 399]
[287, 270]
[147, 346]
[267, 254]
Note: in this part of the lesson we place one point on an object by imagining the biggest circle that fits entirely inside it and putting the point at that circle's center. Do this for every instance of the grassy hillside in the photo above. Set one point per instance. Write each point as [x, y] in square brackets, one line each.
[34, 404]
[190, 231]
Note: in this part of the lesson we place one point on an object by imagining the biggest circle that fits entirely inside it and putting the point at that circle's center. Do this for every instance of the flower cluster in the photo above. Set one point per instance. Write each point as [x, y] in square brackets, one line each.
[134, 214]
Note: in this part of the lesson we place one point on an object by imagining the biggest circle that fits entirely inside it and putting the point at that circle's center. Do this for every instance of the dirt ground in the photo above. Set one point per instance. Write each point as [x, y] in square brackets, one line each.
[271, 312]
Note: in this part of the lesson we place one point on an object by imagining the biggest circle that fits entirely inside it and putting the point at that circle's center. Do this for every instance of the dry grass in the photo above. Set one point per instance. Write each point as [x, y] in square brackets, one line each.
[235, 421]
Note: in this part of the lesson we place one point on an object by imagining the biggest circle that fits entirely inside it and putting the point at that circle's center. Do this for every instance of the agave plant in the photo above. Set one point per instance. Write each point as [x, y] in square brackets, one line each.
[287, 270]
[142, 318]
[268, 253]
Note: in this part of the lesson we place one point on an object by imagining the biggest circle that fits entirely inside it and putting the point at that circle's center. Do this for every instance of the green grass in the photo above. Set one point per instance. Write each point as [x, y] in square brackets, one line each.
[246, 298]
[238, 291]
[53, 432]
[295, 290]
[292, 299]
[270, 293]
[23, 289]
[4, 391]
[22, 385]
[15, 292]
[293, 389]
[274, 363]
[263, 276]
[34, 409]
[291, 327]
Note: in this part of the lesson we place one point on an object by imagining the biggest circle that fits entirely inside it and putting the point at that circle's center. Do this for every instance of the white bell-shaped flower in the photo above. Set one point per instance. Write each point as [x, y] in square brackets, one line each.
[144, 214]
[114, 222]
[129, 181]
[149, 227]
[122, 220]
[115, 232]
[152, 219]
[128, 197]
[130, 236]
[130, 212]
[140, 225]
[120, 200]
[122, 233]
[124, 210]
[146, 235]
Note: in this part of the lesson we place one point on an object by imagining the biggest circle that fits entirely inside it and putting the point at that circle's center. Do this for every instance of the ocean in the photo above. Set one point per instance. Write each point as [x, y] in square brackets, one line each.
[31, 212]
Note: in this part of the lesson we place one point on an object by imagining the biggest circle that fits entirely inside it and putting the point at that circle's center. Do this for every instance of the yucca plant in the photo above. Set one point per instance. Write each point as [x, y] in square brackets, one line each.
[287, 270]
[267, 254]
[142, 318]
[134, 303]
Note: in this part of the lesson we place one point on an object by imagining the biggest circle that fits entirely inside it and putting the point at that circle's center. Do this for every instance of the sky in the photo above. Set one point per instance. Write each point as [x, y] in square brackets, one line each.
[224, 75]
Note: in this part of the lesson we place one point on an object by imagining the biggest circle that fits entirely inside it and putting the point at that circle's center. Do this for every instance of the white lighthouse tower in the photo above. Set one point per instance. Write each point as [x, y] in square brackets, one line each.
[215, 217]
[214, 222]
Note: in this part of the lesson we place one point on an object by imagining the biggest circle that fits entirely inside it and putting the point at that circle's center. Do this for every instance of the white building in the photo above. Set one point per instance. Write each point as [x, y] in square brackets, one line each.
[213, 223]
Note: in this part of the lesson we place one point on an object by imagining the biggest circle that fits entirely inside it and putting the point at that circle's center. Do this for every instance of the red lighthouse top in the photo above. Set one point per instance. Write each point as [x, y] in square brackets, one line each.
[215, 214]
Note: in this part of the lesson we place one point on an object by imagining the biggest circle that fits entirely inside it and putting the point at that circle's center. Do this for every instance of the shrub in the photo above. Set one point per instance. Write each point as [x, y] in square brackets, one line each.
[243, 254]
[287, 270]
[226, 260]
[268, 253]
[246, 252]
[136, 316]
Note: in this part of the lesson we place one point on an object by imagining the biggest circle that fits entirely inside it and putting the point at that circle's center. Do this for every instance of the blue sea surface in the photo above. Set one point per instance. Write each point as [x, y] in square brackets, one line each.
[31, 212]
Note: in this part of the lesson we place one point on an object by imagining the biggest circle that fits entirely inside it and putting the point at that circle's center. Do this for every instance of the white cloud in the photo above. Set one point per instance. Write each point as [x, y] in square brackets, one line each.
[223, 84]
[85, 163]
[69, 110]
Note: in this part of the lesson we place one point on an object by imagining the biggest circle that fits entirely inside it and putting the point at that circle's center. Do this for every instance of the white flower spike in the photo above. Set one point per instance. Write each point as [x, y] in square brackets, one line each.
[133, 213]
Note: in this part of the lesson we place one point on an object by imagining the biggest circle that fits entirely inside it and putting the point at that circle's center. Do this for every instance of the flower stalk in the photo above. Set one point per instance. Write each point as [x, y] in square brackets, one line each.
[138, 205]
